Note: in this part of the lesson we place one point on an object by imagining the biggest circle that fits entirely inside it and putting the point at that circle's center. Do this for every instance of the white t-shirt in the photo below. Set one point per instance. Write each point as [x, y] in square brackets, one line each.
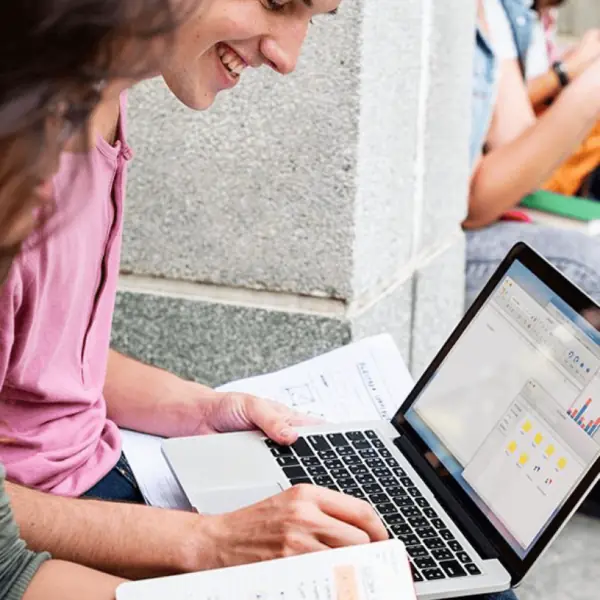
[538, 61]
[500, 31]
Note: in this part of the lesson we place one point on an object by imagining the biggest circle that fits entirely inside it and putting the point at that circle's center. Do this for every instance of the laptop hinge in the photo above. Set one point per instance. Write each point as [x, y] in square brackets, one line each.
[456, 511]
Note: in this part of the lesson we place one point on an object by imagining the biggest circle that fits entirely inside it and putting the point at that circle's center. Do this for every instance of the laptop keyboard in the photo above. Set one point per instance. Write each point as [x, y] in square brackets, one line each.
[358, 463]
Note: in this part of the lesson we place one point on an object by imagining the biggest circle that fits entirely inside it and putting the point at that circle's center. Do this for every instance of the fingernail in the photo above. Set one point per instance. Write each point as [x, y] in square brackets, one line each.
[287, 433]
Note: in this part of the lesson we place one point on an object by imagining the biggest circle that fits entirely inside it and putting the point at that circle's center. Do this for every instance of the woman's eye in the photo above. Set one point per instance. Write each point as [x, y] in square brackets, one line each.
[275, 5]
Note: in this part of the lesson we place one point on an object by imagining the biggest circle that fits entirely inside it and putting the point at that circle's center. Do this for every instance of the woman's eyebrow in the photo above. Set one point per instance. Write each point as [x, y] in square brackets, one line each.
[309, 3]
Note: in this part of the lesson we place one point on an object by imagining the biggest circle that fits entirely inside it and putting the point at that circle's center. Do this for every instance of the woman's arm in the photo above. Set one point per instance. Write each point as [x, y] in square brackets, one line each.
[523, 152]
[59, 580]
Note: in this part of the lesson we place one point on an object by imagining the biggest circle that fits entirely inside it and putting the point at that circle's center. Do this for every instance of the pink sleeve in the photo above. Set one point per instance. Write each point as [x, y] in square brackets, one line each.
[11, 296]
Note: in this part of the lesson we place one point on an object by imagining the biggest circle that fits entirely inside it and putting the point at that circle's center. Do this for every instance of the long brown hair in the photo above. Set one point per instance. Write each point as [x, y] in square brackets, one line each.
[54, 57]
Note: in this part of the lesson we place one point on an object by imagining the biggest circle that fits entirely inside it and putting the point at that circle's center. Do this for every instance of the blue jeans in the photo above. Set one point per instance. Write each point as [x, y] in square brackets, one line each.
[118, 486]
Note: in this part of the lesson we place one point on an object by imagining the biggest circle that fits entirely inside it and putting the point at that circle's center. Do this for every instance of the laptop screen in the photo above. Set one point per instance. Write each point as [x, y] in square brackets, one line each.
[513, 412]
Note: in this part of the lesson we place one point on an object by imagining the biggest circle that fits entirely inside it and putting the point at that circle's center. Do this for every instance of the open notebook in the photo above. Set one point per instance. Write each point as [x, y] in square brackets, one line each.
[364, 381]
[378, 571]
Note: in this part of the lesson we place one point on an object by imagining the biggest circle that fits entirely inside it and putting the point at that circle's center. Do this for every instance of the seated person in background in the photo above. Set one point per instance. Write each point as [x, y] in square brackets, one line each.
[549, 72]
[513, 153]
[57, 64]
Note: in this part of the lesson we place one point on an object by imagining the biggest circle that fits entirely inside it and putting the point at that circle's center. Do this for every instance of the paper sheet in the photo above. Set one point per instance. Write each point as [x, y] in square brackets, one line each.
[367, 380]
[372, 572]
[363, 381]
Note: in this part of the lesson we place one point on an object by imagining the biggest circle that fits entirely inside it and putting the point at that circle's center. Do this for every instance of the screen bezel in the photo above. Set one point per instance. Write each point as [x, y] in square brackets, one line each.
[580, 303]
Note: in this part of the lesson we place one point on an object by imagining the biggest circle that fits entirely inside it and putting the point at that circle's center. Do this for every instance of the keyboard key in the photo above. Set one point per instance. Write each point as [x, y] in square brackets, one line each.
[367, 453]
[434, 543]
[417, 577]
[334, 463]
[398, 472]
[395, 519]
[403, 501]
[414, 492]
[417, 551]
[271, 444]
[452, 568]
[374, 463]
[386, 508]
[442, 554]
[287, 461]
[316, 471]
[430, 513]
[282, 451]
[300, 480]
[385, 453]
[356, 436]
[455, 546]
[372, 435]
[346, 451]
[406, 482]
[352, 460]
[310, 461]
[294, 472]
[425, 563]
[403, 529]
[409, 539]
[410, 511]
[463, 557]
[319, 443]
[327, 455]
[301, 448]
[438, 524]
[358, 469]
[472, 569]
[337, 439]
[334, 488]
[339, 473]
[378, 498]
[373, 488]
[426, 532]
[362, 445]
[422, 503]
[323, 481]
[433, 574]
[382, 474]
[378, 444]
[355, 492]
[363, 479]
[395, 491]
[393, 463]
[387, 481]
[347, 483]
[418, 521]
[446, 534]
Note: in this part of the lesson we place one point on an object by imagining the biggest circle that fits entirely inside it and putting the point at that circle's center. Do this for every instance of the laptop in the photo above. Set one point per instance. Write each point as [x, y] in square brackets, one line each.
[485, 461]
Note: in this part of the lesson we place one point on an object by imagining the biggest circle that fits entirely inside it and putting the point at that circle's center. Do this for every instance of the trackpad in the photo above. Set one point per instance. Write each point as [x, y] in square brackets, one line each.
[224, 501]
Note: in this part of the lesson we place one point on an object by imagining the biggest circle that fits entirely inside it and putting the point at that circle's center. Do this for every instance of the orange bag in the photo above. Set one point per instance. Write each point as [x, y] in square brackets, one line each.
[571, 175]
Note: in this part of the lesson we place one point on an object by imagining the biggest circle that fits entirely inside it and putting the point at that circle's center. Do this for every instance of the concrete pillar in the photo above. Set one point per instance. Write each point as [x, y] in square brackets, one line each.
[302, 213]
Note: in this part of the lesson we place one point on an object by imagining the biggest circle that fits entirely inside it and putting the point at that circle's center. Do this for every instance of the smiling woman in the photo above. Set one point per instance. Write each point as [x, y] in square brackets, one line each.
[220, 42]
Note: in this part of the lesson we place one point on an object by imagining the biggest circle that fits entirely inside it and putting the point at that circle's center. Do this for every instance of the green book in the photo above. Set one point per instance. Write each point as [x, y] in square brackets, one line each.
[571, 207]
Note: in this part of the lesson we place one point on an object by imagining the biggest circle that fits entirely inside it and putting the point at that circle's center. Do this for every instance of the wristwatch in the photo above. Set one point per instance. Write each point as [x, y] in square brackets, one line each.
[559, 68]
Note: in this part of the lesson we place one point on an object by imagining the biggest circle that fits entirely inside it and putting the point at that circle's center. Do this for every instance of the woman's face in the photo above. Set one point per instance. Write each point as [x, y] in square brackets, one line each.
[226, 37]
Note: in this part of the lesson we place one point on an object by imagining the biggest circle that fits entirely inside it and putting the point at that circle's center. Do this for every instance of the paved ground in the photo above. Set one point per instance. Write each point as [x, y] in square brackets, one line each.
[569, 570]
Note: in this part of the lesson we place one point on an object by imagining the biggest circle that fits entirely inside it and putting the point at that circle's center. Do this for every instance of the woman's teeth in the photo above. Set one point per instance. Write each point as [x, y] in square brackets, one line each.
[231, 61]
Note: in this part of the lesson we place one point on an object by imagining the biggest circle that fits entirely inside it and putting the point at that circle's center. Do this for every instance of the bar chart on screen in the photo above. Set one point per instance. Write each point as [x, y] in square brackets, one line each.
[585, 415]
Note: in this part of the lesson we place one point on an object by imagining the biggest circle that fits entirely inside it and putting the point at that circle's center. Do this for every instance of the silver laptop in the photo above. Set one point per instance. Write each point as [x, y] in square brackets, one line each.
[485, 461]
